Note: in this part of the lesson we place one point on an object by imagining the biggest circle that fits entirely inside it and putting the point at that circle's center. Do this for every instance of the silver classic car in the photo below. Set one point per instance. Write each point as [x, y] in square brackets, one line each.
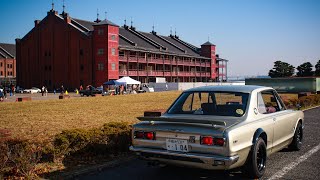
[220, 127]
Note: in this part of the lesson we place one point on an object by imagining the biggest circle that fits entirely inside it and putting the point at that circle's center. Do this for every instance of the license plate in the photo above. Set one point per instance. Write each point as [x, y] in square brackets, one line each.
[177, 145]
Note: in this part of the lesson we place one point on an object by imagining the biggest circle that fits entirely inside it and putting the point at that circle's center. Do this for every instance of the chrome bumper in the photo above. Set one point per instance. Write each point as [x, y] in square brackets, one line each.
[213, 160]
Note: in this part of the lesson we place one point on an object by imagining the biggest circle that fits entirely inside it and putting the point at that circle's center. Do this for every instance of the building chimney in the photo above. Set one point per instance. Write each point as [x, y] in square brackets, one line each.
[36, 23]
[66, 18]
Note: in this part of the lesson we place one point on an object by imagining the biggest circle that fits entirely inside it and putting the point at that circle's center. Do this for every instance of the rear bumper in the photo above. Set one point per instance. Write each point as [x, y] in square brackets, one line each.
[194, 158]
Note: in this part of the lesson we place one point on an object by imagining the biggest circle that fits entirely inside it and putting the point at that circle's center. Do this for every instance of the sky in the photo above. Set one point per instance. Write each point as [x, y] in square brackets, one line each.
[251, 34]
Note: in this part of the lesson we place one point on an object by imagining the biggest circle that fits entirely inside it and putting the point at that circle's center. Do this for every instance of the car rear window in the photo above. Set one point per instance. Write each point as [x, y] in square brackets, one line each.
[211, 103]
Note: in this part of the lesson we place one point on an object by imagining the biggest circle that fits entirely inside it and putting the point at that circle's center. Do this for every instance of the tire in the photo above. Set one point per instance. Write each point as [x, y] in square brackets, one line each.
[81, 94]
[296, 143]
[256, 161]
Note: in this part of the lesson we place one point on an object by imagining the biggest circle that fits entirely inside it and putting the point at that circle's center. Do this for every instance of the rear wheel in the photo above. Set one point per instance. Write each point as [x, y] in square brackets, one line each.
[296, 143]
[256, 161]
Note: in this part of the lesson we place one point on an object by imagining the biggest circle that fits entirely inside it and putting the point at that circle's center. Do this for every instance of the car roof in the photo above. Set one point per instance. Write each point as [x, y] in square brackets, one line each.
[228, 88]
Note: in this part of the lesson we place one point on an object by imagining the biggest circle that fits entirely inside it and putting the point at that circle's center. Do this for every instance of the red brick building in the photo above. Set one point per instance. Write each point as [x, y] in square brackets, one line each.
[7, 63]
[73, 52]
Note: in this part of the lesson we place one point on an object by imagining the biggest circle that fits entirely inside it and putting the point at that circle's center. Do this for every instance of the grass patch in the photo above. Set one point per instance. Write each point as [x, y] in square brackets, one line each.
[41, 120]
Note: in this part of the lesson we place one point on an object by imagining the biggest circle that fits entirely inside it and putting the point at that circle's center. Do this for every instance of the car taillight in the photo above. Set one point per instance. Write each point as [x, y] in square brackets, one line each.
[218, 141]
[149, 135]
[138, 134]
[210, 141]
[207, 140]
[144, 135]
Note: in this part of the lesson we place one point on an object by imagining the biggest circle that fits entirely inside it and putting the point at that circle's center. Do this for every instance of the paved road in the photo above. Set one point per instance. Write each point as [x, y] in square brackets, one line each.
[37, 96]
[303, 164]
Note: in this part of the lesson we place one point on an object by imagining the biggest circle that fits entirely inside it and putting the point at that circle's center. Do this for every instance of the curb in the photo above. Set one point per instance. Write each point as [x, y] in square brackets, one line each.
[96, 168]
[311, 108]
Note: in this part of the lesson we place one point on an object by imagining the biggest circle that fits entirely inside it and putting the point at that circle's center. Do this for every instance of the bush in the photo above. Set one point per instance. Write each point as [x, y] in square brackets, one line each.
[20, 157]
[291, 103]
[112, 138]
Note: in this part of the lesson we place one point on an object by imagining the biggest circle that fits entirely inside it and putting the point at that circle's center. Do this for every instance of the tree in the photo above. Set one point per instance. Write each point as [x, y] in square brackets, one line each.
[281, 69]
[317, 71]
[305, 69]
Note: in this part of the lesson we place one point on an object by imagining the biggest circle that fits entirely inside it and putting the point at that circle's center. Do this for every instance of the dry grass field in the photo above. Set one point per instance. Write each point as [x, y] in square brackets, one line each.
[42, 119]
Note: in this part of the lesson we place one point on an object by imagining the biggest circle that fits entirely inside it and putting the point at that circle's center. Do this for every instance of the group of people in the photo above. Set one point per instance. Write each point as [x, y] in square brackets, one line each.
[120, 90]
[11, 90]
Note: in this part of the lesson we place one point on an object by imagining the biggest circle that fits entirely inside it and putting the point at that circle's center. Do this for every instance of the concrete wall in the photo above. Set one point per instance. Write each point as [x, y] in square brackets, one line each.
[289, 85]
[184, 86]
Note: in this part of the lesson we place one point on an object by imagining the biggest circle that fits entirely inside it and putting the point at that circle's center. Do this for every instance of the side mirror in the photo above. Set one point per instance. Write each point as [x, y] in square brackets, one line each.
[298, 106]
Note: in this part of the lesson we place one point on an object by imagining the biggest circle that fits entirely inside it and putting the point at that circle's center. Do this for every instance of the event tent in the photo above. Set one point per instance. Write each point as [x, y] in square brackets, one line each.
[128, 80]
[113, 82]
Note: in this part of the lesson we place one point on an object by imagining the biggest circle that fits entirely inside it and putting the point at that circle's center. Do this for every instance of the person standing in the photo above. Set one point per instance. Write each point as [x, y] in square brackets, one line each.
[42, 90]
[46, 91]
[62, 89]
[4, 93]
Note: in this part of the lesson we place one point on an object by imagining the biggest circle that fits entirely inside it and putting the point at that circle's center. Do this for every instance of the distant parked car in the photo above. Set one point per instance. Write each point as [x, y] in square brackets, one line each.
[89, 91]
[19, 90]
[32, 90]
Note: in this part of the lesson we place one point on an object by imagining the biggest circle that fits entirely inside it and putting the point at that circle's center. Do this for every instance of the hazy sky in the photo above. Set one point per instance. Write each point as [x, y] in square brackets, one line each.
[252, 34]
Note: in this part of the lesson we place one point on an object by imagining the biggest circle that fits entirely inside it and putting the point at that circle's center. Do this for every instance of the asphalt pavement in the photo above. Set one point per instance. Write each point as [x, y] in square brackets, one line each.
[303, 164]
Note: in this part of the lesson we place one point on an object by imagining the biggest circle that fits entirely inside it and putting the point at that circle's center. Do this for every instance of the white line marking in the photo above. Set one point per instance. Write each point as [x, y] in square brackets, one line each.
[292, 165]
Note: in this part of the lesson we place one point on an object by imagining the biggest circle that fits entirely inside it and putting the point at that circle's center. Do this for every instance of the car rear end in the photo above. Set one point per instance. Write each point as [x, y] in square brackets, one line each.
[185, 144]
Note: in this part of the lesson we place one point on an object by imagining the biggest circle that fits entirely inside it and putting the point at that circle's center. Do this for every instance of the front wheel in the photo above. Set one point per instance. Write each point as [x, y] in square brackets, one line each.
[296, 143]
[256, 161]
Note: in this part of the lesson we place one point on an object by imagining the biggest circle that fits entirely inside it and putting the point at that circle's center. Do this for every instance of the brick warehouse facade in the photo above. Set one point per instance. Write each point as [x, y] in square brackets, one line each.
[7, 64]
[73, 52]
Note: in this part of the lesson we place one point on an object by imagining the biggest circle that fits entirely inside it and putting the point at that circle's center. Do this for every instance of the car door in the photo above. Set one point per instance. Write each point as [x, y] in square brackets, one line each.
[280, 117]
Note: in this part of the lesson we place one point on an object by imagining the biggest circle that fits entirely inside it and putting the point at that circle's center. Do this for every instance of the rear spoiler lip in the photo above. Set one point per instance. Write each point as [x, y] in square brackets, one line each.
[201, 121]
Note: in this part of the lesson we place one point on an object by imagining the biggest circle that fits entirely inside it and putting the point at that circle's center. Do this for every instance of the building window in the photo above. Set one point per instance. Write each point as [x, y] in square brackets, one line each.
[81, 67]
[49, 54]
[1, 73]
[113, 37]
[100, 66]
[100, 32]
[113, 66]
[81, 52]
[45, 68]
[49, 68]
[1, 64]
[121, 53]
[113, 51]
[100, 51]
[45, 54]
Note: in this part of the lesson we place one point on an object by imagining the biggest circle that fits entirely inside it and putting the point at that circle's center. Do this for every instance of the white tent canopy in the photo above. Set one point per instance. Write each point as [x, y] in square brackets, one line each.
[128, 80]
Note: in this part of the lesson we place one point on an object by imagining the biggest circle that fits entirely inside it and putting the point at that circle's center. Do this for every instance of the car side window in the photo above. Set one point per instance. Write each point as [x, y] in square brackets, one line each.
[194, 101]
[268, 102]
